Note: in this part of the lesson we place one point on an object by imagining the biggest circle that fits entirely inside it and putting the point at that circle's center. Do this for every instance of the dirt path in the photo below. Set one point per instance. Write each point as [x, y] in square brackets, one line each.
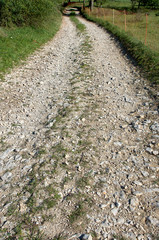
[79, 143]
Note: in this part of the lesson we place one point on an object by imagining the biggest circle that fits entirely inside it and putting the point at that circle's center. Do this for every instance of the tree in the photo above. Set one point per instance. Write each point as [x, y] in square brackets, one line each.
[91, 2]
[84, 4]
[146, 3]
[151, 3]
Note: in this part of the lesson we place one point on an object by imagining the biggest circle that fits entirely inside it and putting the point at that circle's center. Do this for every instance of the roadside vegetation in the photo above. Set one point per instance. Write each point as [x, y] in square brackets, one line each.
[146, 58]
[79, 25]
[111, 16]
[135, 24]
[24, 27]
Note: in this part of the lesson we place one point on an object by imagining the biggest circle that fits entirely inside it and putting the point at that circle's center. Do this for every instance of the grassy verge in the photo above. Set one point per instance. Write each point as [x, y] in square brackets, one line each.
[135, 24]
[17, 43]
[146, 59]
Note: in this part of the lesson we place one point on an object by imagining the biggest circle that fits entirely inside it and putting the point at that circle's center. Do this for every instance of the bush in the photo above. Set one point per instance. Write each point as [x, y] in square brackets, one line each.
[25, 12]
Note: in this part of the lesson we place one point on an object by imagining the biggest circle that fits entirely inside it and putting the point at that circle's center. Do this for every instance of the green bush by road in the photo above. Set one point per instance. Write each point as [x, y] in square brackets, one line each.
[25, 27]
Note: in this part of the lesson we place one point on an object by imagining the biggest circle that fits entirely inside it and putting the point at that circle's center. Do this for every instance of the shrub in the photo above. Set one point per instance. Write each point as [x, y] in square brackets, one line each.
[25, 12]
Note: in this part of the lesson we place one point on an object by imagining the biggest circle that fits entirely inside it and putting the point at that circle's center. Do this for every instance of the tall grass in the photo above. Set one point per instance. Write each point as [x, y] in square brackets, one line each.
[135, 24]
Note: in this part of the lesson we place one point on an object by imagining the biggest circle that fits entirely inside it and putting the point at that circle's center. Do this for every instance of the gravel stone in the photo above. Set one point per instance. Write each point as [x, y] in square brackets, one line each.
[79, 141]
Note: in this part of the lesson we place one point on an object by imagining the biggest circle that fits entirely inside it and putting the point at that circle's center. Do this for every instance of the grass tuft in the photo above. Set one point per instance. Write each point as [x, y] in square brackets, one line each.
[78, 212]
[81, 27]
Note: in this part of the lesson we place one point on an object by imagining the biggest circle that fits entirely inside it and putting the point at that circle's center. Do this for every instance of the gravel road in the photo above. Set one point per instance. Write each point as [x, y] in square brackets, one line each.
[79, 143]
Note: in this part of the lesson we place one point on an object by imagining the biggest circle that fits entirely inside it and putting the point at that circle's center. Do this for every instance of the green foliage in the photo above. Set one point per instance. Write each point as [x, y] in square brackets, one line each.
[146, 59]
[149, 3]
[153, 4]
[18, 42]
[25, 12]
[115, 4]
[25, 26]
[127, 4]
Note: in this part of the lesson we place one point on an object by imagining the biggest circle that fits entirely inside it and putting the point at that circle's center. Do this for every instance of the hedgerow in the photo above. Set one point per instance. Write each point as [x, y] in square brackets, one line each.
[26, 12]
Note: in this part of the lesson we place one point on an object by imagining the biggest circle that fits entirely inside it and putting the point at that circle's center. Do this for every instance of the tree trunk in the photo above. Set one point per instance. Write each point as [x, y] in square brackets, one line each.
[91, 4]
[84, 4]
[139, 4]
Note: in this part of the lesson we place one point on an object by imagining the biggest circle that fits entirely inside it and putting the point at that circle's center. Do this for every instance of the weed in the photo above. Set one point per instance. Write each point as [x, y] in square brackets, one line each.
[51, 202]
[18, 229]
[10, 133]
[66, 133]
[12, 208]
[84, 144]
[58, 237]
[78, 212]
[3, 230]
[119, 237]
[62, 113]
[53, 198]
[59, 148]
[25, 155]
[3, 144]
[52, 191]
[31, 203]
[53, 170]
[15, 124]
[156, 181]
[40, 151]
[65, 180]
[98, 185]
[82, 182]
[71, 97]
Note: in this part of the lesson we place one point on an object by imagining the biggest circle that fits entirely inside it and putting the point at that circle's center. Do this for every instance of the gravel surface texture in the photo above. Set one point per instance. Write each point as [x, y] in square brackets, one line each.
[79, 139]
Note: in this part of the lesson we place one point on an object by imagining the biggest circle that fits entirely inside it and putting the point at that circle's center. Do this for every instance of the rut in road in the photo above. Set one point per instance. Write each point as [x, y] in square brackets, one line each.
[79, 143]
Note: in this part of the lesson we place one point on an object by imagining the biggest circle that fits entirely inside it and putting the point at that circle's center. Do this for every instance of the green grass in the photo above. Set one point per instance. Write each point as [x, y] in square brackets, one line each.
[116, 4]
[17, 43]
[81, 27]
[147, 59]
[78, 212]
[50, 202]
[135, 24]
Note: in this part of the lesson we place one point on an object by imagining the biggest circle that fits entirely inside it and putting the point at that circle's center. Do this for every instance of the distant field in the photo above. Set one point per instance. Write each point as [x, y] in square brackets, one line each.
[120, 4]
[135, 23]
